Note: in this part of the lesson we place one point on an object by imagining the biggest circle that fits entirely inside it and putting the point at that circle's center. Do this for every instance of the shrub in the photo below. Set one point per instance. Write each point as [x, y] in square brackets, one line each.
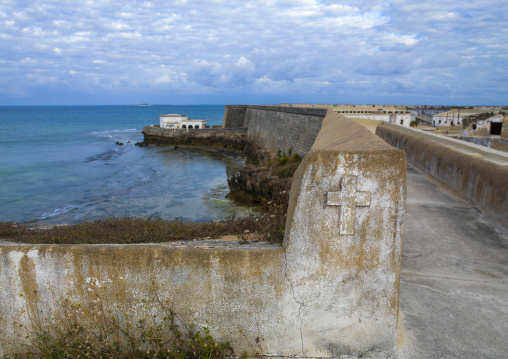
[282, 159]
[99, 329]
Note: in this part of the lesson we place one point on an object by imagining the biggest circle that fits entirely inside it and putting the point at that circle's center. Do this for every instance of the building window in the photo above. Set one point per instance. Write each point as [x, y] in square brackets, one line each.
[183, 126]
[401, 122]
[197, 126]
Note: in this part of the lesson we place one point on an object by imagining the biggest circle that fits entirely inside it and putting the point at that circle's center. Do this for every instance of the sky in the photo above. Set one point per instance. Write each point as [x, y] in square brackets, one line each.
[98, 52]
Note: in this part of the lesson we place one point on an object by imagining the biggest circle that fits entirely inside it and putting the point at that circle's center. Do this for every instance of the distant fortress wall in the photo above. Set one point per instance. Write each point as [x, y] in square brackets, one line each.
[277, 128]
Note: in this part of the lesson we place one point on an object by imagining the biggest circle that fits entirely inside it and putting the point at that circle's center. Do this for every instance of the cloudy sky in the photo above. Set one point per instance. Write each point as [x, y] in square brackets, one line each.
[266, 51]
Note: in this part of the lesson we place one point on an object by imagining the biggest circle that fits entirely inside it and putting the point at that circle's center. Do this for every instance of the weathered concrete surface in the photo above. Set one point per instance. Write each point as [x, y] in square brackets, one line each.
[241, 288]
[454, 280]
[358, 306]
[482, 182]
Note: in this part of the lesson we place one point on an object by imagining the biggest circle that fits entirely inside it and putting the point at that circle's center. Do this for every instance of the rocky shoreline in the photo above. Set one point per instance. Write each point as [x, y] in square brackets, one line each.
[233, 139]
[265, 179]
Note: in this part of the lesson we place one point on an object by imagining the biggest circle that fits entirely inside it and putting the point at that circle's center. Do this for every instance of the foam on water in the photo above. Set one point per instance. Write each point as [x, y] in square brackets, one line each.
[114, 133]
[57, 212]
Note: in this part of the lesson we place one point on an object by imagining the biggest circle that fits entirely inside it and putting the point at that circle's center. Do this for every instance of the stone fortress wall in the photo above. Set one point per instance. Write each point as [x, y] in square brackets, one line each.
[277, 128]
[330, 290]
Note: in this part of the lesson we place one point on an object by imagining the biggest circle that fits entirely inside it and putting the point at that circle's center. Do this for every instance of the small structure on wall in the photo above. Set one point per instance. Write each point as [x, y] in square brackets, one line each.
[175, 121]
[486, 124]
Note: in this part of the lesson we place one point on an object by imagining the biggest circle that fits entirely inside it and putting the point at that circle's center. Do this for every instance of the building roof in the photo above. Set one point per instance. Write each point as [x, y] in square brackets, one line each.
[463, 112]
[370, 108]
[173, 115]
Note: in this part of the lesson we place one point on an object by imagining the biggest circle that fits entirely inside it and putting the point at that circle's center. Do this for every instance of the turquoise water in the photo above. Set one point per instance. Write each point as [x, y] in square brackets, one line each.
[61, 164]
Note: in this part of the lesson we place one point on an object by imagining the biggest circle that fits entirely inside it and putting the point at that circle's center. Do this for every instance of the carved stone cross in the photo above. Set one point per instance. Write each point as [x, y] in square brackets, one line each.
[348, 199]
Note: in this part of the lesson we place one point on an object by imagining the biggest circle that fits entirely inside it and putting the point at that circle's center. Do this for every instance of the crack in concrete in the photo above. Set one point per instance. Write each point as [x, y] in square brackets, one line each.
[294, 297]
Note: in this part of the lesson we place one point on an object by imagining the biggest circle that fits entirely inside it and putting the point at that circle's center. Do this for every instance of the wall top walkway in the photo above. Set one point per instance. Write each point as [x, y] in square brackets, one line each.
[454, 280]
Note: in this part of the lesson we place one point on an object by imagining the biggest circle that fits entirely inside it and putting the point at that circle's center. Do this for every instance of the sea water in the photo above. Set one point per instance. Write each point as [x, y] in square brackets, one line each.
[61, 164]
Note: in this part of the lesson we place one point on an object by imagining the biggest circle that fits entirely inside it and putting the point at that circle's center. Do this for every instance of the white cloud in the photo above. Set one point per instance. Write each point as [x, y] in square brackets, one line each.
[289, 47]
[117, 26]
[243, 63]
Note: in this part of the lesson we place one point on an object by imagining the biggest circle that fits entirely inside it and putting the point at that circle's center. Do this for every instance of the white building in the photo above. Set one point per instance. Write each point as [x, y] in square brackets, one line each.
[454, 117]
[174, 121]
[392, 114]
[486, 124]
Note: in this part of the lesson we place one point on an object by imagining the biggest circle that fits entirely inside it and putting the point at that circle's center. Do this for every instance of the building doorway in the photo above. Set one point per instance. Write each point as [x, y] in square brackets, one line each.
[496, 128]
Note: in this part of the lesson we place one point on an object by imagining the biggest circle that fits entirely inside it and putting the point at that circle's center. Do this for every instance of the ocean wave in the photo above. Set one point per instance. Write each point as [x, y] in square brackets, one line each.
[58, 212]
[113, 133]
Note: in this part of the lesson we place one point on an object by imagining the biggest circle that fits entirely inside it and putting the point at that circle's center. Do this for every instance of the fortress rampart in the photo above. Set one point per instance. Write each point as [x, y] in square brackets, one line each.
[276, 128]
[330, 290]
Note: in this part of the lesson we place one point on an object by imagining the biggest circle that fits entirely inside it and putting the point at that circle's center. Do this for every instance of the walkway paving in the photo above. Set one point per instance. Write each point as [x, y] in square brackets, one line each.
[454, 282]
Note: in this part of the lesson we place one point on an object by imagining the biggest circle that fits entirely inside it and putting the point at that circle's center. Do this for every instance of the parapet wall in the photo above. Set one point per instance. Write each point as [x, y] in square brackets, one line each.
[482, 182]
[330, 290]
[500, 144]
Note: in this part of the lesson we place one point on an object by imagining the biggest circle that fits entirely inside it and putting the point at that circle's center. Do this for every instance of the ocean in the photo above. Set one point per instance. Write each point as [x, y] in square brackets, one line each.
[61, 164]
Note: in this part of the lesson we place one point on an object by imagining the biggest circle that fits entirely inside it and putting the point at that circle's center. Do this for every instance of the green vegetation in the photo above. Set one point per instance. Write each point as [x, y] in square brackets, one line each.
[284, 165]
[413, 123]
[268, 226]
[100, 329]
